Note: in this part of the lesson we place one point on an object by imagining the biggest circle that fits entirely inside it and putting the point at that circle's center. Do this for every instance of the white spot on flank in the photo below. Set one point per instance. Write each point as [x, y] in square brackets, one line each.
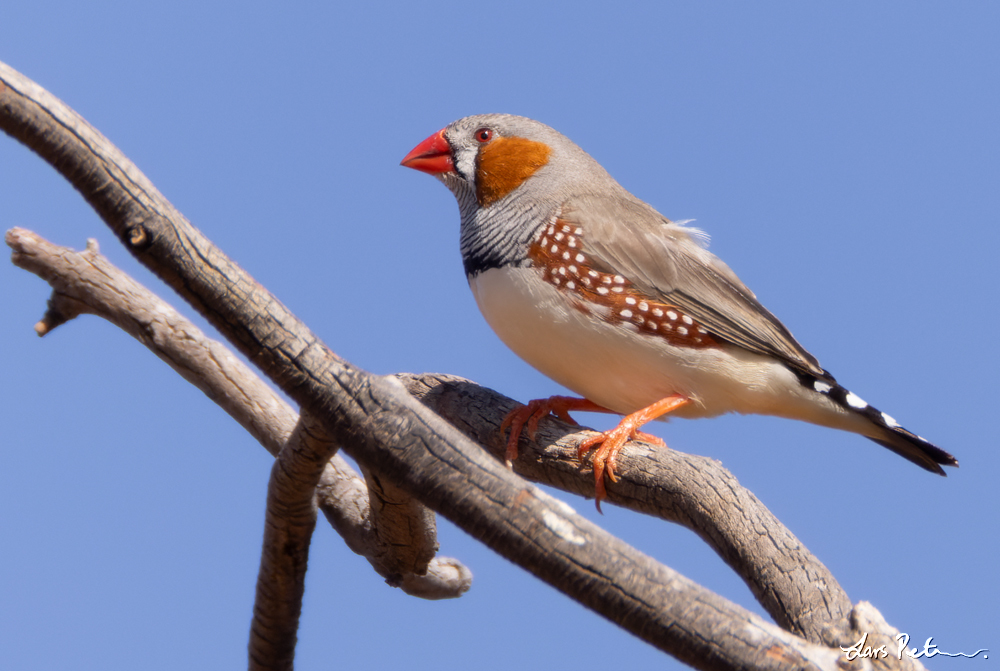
[566, 228]
[652, 326]
[556, 281]
[571, 285]
[687, 320]
[579, 231]
[572, 269]
[890, 421]
[682, 330]
[855, 401]
[671, 315]
[562, 271]
[627, 314]
[619, 279]
[579, 259]
[630, 300]
[618, 290]
[558, 236]
[571, 243]
[586, 281]
[602, 290]
[551, 230]
[566, 256]
[644, 306]
[657, 312]
[606, 280]
[821, 387]
[554, 249]
[545, 242]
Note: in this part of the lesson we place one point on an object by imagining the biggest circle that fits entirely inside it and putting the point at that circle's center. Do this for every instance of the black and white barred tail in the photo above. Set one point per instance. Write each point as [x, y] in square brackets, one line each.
[886, 431]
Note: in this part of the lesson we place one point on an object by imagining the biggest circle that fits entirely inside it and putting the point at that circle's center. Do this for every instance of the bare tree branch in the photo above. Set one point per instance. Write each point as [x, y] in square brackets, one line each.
[560, 544]
[413, 526]
[288, 529]
[795, 588]
[86, 282]
[385, 429]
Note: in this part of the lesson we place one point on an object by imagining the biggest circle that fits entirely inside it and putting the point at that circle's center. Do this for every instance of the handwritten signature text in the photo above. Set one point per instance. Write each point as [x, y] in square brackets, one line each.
[861, 650]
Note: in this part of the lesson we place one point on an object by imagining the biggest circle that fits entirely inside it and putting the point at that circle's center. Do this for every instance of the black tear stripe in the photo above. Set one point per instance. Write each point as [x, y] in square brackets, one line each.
[896, 438]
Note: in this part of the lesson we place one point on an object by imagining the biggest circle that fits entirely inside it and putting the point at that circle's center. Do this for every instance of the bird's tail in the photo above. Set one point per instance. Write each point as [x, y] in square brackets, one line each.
[885, 430]
[918, 450]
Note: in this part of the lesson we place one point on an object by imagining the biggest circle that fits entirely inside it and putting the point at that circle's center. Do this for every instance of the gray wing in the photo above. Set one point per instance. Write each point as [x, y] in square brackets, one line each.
[665, 263]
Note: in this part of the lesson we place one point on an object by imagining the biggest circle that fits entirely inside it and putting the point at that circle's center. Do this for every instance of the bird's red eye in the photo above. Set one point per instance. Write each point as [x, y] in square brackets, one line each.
[484, 135]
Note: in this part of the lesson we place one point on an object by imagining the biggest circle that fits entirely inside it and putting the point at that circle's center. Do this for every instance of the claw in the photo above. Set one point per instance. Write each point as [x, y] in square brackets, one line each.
[609, 443]
[534, 411]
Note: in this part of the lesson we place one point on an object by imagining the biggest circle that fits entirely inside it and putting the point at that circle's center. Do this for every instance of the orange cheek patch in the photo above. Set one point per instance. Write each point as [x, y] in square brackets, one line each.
[504, 164]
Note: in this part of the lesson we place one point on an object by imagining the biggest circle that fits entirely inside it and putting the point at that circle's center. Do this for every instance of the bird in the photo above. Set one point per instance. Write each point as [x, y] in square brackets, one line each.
[600, 292]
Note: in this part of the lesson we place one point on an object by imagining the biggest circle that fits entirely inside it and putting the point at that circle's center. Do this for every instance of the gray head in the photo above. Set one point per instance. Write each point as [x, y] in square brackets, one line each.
[487, 157]
[510, 175]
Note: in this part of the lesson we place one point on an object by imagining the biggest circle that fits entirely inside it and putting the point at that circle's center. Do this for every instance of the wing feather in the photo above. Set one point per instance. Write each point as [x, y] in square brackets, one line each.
[664, 261]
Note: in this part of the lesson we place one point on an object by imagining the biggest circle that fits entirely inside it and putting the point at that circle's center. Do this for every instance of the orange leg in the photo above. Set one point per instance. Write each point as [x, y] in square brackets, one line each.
[610, 443]
[534, 411]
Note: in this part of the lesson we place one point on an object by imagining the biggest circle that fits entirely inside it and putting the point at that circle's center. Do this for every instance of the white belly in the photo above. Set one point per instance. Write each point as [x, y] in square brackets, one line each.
[625, 371]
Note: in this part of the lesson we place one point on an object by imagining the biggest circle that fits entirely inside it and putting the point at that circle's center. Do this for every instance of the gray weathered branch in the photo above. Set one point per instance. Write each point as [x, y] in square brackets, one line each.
[86, 282]
[288, 528]
[795, 588]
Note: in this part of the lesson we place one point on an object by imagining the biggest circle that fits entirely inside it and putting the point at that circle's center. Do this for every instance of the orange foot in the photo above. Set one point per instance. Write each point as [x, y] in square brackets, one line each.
[534, 411]
[610, 443]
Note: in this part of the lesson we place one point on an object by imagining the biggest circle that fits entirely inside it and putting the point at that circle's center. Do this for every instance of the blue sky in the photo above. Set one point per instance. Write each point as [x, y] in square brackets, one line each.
[843, 157]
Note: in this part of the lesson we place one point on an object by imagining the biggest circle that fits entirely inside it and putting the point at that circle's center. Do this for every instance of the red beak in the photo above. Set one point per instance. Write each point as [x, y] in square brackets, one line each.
[432, 156]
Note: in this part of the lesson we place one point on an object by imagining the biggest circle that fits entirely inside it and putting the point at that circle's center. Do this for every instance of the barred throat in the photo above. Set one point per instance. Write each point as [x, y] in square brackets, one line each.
[495, 237]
